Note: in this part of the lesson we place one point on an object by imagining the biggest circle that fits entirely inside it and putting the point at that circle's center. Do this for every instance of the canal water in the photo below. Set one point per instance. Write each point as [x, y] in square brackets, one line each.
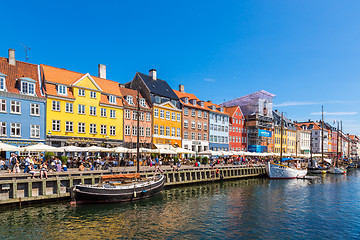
[326, 208]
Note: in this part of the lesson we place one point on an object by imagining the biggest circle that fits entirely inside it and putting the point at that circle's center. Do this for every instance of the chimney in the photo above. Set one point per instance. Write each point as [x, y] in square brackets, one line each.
[181, 88]
[12, 57]
[102, 71]
[152, 73]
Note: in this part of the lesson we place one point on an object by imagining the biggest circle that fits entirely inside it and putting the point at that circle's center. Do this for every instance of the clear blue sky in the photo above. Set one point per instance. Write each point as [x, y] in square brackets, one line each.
[307, 53]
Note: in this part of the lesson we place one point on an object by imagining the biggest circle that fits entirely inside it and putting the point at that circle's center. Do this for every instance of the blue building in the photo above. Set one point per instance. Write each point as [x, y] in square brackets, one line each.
[22, 103]
[218, 127]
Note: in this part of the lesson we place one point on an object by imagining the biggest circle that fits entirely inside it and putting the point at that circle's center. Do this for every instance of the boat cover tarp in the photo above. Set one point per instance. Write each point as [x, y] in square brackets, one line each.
[286, 159]
[120, 176]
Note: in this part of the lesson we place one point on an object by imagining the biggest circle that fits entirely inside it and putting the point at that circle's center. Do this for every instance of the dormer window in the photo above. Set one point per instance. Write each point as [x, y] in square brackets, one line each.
[27, 86]
[112, 99]
[2, 82]
[142, 102]
[194, 102]
[221, 109]
[129, 99]
[202, 104]
[62, 90]
[186, 100]
[213, 107]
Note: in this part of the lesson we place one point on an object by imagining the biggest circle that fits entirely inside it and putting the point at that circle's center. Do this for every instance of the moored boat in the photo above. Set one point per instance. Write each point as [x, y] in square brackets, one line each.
[279, 171]
[337, 170]
[118, 188]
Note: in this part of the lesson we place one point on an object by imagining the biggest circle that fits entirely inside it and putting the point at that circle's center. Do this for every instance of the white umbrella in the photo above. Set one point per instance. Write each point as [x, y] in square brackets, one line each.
[7, 147]
[120, 150]
[164, 151]
[74, 149]
[226, 153]
[98, 149]
[180, 150]
[207, 152]
[40, 147]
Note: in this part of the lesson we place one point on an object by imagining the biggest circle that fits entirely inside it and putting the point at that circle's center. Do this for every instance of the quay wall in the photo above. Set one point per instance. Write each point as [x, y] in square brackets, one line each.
[20, 188]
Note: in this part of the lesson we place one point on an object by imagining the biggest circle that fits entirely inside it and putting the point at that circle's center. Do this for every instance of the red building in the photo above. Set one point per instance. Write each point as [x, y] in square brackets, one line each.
[237, 131]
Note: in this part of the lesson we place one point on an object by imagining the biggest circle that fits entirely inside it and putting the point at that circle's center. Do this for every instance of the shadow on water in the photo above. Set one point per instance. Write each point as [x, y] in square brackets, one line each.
[249, 208]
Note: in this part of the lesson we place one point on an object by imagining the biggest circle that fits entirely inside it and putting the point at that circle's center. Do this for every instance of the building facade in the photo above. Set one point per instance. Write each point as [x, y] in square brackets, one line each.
[82, 110]
[219, 127]
[195, 121]
[302, 140]
[22, 103]
[166, 130]
[237, 130]
[130, 104]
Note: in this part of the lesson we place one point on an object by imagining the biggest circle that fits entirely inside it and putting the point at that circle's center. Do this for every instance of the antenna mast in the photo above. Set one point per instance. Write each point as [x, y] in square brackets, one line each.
[26, 52]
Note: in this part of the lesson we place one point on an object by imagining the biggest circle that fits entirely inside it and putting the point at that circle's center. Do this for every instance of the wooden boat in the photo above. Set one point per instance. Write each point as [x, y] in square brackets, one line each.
[118, 188]
[280, 171]
[337, 170]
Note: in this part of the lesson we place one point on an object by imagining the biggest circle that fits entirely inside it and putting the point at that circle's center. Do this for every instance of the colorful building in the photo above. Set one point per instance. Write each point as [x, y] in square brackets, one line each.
[237, 130]
[303, 140]
[165, 105]
[219, 127]
[22, 103]
[288, 130]
[82, 110]
[195, 121]
[130, 104]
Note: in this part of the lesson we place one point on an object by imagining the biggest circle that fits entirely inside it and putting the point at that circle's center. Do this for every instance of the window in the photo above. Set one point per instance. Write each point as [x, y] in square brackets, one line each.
[112, 99]
[211, 138]
[186, 123]
[193, 124]
[178, 132]
[2, 84]
[15, 107]
[56, 125]
[211, 127]
[2, 128]
[112, 130]
[199, 125]
[226, 129]
[3, 105]
[62, 90]
[142, 102]
[173, 116]
[199, 136]
[81, 92]
[81, 109]
[112, 113]
[193, 136]
[102, 112]
[148, 132]
[205, 126]
[162, 130]
[69, 107]
[141, 131]
[148, 117]
[141, 116]
[162, 114]
[156, 129]
[92, 94]
[81, 127]
[69, 126]
[93, 128]
[134, 130]
[56, 106]
[129, 99]
[15, 130]
[127, 113]
[127, 130]
[173, 132]
[27, 88]
[92, 111]
[103, 129]
[178, 117]
[186, 111]
[199, 113]
[156, 112]
[134, 115]
[193, 112]
[205, 115]
[167, 131]
[167, 115]
[34, 109]
[186, 100]
[205, 137]
[186, 135]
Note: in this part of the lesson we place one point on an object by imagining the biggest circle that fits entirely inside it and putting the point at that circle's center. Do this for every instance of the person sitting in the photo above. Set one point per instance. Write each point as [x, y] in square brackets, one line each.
[43, 171]
[81, 167]
[31, 170]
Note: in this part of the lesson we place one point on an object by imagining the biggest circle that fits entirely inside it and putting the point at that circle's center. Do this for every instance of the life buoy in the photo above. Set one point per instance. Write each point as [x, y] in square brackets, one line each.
[217, 171]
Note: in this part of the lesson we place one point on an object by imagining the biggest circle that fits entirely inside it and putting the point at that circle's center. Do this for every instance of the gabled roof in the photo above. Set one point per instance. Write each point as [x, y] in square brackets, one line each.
[190, 96]
[130, 92]
[309, 125]
[17, 71]
[231, 110]
[209, 105]
[158, 86]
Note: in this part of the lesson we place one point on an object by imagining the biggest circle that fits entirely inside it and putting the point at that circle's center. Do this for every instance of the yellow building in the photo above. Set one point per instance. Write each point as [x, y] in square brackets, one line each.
[277, 140]
[288, 134]
[82, 110]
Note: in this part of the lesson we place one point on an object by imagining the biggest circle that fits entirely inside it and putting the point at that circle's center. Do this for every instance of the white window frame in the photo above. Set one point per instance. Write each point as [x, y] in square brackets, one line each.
[112, 113]
[17, 127]
[193, 136]
[92, 111]
[134, 130]
[148, 117]
[129, 100]
[2, 83]
[141, 131]
[162, 114]
[199, 125]
[16, 105]
[127, 130]
[156, 129]
[112, 130]
[178, 132]
[142, 102]
[55, 126]
[69, 126]
[186, 111]
[173, 131]
[112, 99]
[199, 113]
[81, 92]
[156, 112]
[34, 131]
[141, 116]
[167, 115]
[69, 107]
[178, 117]
[167, 131]
[161, 130]
[103, 112]
[148, 132]
[62, 90]
[81, 127]
[186, 123]
[193, 112]
[34, 109]
[92, 94]
[127, 114]
[93, 128]
[3, 105]
[3, 129]
[186, 135]
[26, 86]
[193, 124]
[103, 129]
[55, 106]
[81, 109]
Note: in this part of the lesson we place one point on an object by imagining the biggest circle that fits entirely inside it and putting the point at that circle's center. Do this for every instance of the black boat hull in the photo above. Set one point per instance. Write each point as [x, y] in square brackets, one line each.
[87, 194]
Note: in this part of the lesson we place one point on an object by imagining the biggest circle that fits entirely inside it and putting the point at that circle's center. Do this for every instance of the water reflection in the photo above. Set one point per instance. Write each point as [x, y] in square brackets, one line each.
[248, 208]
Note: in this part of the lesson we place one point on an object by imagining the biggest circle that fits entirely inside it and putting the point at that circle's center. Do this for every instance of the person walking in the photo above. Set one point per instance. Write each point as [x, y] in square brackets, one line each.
[157, 166]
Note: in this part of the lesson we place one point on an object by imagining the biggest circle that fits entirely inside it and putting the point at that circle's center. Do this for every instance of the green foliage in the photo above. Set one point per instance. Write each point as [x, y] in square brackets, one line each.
[192, 158]
[48, 155]
[63, 159]
[205, 160]
[198, 158]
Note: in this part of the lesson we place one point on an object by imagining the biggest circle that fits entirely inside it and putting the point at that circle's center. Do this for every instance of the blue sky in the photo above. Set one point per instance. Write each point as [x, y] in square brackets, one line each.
[304, 52]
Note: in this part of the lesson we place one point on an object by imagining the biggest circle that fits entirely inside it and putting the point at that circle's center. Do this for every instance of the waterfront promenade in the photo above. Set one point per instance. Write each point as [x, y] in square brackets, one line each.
[17, 188]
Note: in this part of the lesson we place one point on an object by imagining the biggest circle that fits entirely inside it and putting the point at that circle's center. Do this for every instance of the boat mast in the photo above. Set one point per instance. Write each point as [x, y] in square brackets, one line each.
[337, 144]
[322, 134]
[138, 131]
[281, 136]
[341, 142]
